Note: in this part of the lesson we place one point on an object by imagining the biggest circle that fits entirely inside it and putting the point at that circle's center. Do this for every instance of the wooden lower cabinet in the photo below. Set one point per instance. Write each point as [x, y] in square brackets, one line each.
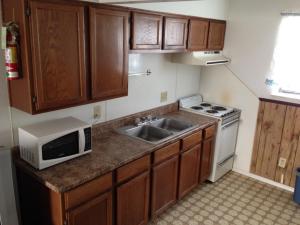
[189, 170]
[206, 159]
[124, 200]
[95, 212]
[164, 185]
[133, 201]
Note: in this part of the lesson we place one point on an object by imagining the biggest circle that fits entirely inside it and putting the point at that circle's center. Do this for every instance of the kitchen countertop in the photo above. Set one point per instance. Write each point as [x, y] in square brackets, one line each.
[110, 151]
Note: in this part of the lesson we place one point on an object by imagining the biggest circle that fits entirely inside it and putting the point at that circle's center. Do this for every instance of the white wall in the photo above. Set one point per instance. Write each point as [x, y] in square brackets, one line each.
[251, 34]
[143, 92]
[216, 9]
[251, 38]
[220, 86]
[5, 135]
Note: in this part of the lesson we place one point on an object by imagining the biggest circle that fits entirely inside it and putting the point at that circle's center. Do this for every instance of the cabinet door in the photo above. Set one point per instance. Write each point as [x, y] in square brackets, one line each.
[164, 185]
[109, 53]
[198, 33]
[216, 35]
[146, 31]
[133, 201]
[189, 170]
[206, 159]
[95, 212]
[175, 33]
[58, 54]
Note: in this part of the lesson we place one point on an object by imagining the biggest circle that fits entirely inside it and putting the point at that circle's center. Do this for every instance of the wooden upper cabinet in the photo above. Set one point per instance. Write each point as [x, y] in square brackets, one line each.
[198, 33]
[216, 35]
[98, 211]
[175, 33]
[109, 53]
[146, 31]
[58, 54]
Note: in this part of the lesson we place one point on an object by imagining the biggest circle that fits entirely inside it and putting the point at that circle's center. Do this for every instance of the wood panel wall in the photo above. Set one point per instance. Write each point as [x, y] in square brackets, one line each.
[277, 135]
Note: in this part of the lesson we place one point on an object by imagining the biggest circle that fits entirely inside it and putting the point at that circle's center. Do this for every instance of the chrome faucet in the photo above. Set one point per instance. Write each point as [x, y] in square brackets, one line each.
[144, 120]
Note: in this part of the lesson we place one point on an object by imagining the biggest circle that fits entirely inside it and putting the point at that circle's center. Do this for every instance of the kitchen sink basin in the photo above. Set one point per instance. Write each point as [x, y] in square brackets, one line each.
[147, 133]
[157, 130]
[172, 125]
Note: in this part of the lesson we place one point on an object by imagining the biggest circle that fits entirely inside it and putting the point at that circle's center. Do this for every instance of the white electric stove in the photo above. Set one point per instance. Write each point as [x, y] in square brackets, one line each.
[227, 131]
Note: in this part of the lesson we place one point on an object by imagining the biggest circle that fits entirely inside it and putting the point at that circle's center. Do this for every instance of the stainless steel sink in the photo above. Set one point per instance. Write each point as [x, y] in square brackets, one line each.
[147, 133]
[157, 130]
[172, 125]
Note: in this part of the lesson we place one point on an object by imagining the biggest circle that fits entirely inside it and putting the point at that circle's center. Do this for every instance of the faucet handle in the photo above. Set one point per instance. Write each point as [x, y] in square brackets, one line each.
[149, 117]
[137, 121]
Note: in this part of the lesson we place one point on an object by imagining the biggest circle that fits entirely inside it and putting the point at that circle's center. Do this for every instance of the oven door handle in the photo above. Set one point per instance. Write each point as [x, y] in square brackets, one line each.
[230, 123]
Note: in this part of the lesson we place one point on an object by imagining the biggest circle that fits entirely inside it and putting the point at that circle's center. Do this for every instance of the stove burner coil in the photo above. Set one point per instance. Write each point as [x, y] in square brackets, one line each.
[197, 107]
[218, 108]
[212, 111]
[205, 104]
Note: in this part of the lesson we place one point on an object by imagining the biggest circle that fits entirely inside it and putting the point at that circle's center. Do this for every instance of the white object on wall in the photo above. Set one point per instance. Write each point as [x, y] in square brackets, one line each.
[8, 208]
[203, 58]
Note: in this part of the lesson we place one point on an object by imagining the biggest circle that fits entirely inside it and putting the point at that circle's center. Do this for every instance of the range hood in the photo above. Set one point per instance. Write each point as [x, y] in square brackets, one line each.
[209, 58]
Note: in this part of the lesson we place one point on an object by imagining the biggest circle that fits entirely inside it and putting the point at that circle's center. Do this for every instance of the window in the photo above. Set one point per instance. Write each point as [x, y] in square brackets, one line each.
[286, 58]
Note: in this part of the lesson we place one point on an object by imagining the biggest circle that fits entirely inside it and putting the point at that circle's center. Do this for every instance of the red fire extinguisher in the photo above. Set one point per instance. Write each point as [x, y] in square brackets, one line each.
[12, 51]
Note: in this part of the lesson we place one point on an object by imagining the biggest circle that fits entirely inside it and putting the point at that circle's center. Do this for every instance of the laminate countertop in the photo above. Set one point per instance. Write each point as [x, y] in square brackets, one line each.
[110, 151]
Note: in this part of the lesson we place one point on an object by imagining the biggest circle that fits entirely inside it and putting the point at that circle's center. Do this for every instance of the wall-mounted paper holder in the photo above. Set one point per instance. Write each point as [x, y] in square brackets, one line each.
[147, 73]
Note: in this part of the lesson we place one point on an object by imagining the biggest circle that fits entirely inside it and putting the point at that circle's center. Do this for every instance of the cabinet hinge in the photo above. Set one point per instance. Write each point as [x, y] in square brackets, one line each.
[27, 11]
[34, 99]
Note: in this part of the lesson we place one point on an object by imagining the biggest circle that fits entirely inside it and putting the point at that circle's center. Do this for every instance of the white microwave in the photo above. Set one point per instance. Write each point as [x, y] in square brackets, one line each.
[48, 143]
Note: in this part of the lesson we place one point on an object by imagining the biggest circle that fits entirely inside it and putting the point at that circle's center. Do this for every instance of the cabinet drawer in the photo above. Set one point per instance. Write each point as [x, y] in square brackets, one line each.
[166, 152]
[87, 191]
[133, 168]
[209, 132]
[191, 140]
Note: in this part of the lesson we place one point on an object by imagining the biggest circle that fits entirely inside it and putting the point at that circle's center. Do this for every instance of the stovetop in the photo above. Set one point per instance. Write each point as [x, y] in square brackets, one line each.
[196, 105]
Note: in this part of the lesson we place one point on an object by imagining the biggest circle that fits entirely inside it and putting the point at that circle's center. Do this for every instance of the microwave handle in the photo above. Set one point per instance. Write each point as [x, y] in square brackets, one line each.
[81, 140]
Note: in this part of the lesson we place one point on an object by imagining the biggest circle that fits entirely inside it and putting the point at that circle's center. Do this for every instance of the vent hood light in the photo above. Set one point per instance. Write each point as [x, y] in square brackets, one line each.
[201, 58]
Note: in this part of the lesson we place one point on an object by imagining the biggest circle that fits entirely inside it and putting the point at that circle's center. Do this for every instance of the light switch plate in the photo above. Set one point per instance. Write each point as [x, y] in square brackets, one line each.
[164, 96]
[282, 162]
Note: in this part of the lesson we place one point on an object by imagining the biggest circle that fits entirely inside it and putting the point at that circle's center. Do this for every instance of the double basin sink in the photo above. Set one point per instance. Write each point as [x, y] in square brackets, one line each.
[157, 130]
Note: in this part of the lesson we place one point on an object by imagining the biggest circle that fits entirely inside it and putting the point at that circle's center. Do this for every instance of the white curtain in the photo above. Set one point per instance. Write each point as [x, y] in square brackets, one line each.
[286, 59]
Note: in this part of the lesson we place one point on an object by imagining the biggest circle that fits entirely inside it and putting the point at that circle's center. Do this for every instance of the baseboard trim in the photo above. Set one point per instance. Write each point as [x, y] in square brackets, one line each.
[265, 180]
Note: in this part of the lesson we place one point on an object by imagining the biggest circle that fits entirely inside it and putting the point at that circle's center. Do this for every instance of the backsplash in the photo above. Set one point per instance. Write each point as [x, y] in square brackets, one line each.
[127, 120]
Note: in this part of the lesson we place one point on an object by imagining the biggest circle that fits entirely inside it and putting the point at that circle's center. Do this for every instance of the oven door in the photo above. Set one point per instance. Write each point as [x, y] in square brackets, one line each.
[228, 138]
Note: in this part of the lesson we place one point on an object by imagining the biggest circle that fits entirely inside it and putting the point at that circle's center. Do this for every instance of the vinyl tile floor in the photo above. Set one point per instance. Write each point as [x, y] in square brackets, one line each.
[233, 200]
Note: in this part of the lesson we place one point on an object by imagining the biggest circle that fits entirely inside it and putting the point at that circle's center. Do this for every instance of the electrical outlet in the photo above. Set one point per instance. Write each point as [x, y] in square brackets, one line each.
[97, 112]
[164, 96]
[282, 162]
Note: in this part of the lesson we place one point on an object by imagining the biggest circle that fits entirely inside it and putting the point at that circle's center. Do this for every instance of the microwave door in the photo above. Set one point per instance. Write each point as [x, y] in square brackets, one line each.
[64, 146]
